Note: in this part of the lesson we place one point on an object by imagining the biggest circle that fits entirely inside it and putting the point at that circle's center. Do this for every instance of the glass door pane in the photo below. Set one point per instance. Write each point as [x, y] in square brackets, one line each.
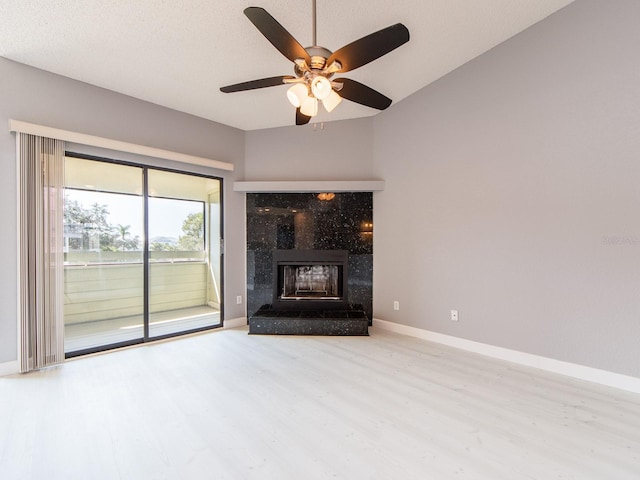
[184, 266]
[104, 269]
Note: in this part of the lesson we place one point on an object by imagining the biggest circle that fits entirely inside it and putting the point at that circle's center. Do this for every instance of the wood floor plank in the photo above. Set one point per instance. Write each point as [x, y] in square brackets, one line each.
[227, 405]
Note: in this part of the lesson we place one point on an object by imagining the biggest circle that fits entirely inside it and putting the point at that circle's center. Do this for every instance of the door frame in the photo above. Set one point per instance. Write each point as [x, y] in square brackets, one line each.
[146, 263]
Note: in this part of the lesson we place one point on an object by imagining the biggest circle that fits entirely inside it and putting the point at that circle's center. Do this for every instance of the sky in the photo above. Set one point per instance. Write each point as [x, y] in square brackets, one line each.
[165, 215]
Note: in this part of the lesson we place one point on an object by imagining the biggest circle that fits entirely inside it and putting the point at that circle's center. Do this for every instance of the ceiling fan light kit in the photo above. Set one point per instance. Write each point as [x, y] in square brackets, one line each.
[314, 66]
[309, 107]
[321, 87]
[332, 101]
[297, 94]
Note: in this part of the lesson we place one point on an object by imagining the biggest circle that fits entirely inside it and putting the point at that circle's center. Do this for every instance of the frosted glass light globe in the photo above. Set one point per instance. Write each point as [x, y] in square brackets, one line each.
[309, 107]
[332, 101]
[297, 94]
[321, 87]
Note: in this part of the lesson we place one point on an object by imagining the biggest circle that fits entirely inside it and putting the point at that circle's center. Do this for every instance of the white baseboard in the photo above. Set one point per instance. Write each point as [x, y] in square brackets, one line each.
[9, 368]
[602, 377]
[235, 322]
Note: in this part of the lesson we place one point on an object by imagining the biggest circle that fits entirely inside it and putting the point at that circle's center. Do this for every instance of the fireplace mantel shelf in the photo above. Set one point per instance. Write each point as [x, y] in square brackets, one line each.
[309, 186]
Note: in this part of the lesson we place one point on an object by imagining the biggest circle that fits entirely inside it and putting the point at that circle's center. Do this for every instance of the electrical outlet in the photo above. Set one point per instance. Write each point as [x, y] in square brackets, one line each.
[454, 315]
[239, 299]
[396, 305]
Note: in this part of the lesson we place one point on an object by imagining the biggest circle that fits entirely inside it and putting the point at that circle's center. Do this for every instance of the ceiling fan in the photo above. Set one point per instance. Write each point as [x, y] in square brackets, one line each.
[315, 66]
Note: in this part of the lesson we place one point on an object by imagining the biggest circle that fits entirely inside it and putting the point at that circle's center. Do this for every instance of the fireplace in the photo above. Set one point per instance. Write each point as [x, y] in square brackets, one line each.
[310, 279]
[301, 222]
[310, 296]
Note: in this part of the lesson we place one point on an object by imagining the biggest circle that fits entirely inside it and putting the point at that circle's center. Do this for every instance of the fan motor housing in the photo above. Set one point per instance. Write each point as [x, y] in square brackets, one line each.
[319, 56]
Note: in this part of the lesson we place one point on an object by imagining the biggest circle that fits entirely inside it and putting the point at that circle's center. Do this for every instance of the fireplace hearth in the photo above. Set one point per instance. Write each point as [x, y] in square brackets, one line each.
[309, 296]
[350, 321]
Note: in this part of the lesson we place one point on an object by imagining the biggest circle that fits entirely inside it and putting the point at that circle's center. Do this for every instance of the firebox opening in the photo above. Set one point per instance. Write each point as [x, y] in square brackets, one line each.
[310, 279]
[311, 282]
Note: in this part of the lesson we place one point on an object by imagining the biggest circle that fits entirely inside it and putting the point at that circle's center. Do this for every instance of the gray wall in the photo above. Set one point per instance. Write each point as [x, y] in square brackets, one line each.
[39, 97]
[512, 191]
[339, 151]
[513, 194]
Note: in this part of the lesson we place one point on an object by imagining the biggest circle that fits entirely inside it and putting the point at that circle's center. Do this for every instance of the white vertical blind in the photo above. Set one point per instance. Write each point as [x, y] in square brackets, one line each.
[41, 251]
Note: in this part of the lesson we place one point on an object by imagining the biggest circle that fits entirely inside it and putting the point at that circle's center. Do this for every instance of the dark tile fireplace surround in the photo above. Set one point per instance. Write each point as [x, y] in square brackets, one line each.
[310, 263]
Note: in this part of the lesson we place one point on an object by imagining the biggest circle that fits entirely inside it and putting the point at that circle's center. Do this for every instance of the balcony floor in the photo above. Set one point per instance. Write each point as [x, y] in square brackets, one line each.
[82, 336]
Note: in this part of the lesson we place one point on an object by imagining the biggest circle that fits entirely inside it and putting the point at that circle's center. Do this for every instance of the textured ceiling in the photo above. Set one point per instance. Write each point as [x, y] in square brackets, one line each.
[179, 53]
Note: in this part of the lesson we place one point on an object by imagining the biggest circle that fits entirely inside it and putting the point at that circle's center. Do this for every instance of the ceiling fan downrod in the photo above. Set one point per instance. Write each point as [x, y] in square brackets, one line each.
[317, 54]
[314, 77]
[314, 28]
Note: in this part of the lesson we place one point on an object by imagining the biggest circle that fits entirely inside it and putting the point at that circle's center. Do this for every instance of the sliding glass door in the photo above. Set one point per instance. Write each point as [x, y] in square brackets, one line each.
[184, 289]
[103, 258]
[142, 254]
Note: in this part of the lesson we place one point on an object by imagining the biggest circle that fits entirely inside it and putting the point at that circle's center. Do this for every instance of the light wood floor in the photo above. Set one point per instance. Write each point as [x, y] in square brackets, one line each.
[226, 405]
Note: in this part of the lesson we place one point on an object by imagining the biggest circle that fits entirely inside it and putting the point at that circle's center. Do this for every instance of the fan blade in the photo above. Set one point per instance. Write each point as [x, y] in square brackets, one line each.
[276, 34]
[253, 84]
[360, 93]
[301, 119]
[371, 47]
